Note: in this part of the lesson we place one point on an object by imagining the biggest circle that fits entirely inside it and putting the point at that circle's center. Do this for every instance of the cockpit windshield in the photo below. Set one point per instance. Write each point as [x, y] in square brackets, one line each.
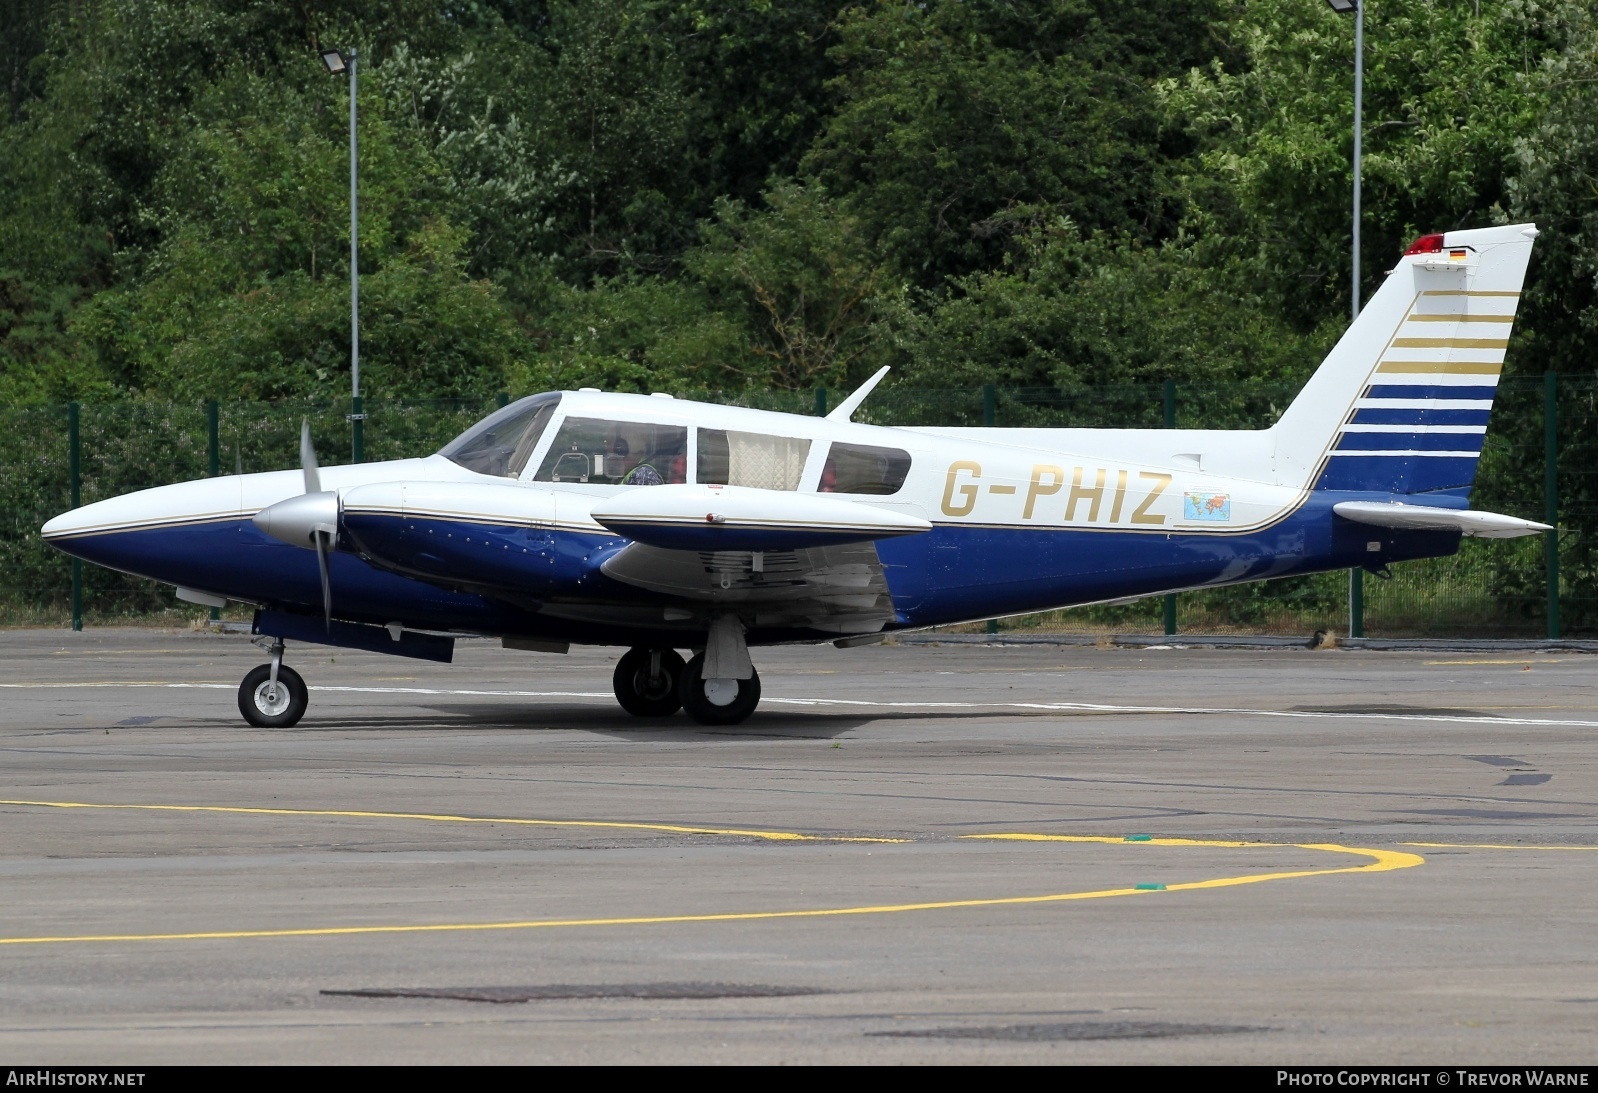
[503, 441]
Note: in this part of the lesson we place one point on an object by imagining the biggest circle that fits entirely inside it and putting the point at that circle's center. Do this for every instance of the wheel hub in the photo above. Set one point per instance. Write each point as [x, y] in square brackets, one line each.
[721, 692]
[271, 698]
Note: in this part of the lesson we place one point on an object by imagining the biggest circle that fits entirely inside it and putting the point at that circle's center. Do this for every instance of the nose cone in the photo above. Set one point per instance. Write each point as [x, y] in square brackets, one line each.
[88, 531]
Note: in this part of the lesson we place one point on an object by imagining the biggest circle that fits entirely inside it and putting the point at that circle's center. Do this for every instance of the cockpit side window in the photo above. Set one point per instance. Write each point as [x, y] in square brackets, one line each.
[503, 441]
[731, 458]
[861, 468]
[616, 453]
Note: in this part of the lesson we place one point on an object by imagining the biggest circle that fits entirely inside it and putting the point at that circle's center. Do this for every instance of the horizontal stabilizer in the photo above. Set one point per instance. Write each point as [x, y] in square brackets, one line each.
[743, 518]
[1487, 525]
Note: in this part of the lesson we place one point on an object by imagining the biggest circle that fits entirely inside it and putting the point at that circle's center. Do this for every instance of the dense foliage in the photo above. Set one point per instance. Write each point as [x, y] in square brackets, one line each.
[741, 195]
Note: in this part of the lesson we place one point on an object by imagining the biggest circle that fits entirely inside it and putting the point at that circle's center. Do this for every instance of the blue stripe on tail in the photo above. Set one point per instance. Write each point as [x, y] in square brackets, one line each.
[1411, 453]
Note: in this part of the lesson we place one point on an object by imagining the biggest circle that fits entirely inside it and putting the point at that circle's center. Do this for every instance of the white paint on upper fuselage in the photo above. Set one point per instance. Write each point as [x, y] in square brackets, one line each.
[995, 477]
[234, 496]
[954, 479]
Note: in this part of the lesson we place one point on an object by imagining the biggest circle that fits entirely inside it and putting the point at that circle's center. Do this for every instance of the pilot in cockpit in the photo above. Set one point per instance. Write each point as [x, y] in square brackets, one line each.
[654, 457]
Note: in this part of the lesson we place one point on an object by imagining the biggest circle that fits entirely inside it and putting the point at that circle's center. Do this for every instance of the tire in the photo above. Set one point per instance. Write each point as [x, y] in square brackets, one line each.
[706, 712]
[642, 696]
[292, 699]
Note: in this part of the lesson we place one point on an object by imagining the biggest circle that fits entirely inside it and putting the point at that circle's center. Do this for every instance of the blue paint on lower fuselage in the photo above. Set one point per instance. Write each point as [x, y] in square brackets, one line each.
[959, 573]
[485, 578]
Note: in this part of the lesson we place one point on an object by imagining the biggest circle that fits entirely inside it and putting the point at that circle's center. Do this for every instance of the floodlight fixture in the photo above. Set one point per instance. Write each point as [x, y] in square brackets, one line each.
[337, 64]
[1343, 7]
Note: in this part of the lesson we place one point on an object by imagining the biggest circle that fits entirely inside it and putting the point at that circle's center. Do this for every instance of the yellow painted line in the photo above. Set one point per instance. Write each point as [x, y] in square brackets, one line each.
[1381, 861]
[24, 686]
[1497, 846]
[673, 829]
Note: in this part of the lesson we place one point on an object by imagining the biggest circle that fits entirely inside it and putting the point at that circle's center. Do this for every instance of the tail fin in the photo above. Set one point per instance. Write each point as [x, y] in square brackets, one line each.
[1400, 405]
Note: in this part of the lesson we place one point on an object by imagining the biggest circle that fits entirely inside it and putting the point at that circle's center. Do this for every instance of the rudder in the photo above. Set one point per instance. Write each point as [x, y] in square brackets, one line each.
[1400, 405]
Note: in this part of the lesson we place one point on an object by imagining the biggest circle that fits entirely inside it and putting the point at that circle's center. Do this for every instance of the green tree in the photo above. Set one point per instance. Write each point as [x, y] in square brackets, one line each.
[247, 294]
[1446, 96]
[953, 113]
[803, 279]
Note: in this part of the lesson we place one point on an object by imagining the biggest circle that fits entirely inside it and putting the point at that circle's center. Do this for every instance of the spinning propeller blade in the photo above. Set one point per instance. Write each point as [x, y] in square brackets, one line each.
[327, 583]
[313, 484]
[313, 480]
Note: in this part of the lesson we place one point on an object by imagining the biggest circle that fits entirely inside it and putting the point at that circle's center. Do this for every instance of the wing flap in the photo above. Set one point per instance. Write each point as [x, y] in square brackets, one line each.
[834, 589]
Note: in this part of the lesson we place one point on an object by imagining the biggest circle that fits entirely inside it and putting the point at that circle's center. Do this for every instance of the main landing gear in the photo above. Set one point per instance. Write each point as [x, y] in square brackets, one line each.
[718, 701]
[273, 696]
[646, 682]
[656, 682]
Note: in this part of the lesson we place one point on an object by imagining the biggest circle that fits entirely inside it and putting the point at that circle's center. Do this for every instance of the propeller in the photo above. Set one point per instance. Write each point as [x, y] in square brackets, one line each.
[323, 538]
[313, 477]
[307, 520]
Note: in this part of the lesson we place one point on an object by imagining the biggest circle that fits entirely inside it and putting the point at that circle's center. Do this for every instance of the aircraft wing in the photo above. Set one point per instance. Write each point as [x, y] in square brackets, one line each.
[1487, 525]
[837, 589]
[709, 517]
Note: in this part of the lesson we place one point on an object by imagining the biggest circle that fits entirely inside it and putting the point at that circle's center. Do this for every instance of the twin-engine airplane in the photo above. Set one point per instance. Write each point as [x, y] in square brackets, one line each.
[661, 525]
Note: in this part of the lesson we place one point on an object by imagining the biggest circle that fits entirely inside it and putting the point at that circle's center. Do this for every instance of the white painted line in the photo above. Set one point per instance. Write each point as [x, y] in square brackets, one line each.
[1062, 707]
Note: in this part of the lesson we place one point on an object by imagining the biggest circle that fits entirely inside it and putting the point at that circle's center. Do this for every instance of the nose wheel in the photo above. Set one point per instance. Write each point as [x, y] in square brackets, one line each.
[273, 696]
[646, 682]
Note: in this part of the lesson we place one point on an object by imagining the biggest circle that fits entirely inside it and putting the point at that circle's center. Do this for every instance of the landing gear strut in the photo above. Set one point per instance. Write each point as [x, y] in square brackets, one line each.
[273, 696]
[646, 682]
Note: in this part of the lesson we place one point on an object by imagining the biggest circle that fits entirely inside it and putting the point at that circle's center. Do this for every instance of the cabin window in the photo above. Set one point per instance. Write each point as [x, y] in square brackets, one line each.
[616, 453]
[503, 441]
[860, 468]
[731, 458]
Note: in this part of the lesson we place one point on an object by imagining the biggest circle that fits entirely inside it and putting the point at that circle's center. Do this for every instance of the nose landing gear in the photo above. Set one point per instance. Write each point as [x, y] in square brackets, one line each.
[273, 696]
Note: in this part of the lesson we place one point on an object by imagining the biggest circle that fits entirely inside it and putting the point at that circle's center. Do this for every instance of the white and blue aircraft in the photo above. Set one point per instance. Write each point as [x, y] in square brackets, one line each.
[663, 525]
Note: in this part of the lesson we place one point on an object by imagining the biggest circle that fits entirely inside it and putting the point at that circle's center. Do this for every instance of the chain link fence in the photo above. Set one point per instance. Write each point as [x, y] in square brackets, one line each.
[1535, 465]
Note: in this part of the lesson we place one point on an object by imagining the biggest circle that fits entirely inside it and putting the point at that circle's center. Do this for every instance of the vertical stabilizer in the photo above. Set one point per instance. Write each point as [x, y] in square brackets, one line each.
[1400, 405]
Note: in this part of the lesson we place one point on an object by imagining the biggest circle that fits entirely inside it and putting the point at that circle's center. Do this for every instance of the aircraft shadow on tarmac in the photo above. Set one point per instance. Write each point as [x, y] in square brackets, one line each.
[607, 722]
[820, 724]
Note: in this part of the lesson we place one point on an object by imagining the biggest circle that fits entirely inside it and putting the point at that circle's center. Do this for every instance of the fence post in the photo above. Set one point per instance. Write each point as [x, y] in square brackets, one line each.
[1356, 603]
[75, 472]
[1551, 496]
[213, 460]
[1170, 423]
[821, 402]
[358, 430]
[990, 415]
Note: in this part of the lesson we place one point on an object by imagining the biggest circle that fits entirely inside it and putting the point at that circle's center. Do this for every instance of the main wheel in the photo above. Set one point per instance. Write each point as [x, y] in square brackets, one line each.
[719, 701]
[646, 687]
[268, 709]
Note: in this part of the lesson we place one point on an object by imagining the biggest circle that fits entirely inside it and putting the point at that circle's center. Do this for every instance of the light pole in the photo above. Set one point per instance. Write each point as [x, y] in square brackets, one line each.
[1356, 576]
[338, 62]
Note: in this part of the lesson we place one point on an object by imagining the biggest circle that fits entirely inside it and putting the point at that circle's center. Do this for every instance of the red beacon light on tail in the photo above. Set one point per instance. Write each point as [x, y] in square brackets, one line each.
[1426, 244]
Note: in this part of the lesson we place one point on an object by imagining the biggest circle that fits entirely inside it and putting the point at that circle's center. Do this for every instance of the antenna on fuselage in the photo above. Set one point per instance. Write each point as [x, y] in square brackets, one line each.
[849, 405]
